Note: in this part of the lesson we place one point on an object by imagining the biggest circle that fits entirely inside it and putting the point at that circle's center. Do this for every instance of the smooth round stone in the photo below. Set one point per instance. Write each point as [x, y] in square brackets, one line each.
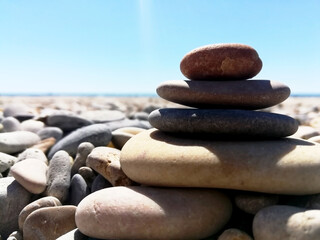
[33, 153]
[67, 122]
[78, 189]
[102, 116]
[49, 222]
[83, 151]
[100, 183]
[251, 94]
[13, 142]
[19, 111]
[6, 161]
[59, 174]
[280, 166]
[31, 207]
[97, 134]
[88, 175]
[124, 213]
[105, 161]
[13, 198]
[74, 234]
[31, 174]
[226, 61]
[32, 125]
[48, 132]
[234, 234]
[122, 135]
[253, 202]
[11, 124]
[223, 122]
[286, 222]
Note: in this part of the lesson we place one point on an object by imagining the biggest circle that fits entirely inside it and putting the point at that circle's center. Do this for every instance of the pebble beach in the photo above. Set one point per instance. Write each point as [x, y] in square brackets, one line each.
[207, 159]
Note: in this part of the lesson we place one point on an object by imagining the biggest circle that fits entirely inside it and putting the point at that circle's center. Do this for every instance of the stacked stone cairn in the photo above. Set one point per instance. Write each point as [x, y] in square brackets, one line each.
[216, 168]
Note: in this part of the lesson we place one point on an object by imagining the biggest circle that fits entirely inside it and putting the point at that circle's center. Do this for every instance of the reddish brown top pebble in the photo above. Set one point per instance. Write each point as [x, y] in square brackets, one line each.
[228, 61]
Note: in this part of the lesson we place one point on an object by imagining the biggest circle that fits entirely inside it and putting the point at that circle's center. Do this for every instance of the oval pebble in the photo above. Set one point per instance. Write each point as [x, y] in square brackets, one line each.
[99, 183]
[225, 61]
[78, 190]
[97, 134]
[32, 125]
[49, 222]
[31, 174]
[251, 94]
[40, 203]
[59, 174]
[103, 116]
[124, 213]
[67, 122]
[13, 142]
[281, 222]
[11, 124]
[48, 132]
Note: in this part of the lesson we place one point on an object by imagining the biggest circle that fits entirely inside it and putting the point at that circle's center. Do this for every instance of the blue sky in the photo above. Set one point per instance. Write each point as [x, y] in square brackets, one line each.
[128, 46]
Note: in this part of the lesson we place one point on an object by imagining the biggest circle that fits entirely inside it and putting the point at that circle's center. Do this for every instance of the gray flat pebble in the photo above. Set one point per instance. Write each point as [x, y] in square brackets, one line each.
[11, 124]
[48, 132]
[59, 174]
[100, 183]
[14, 142]
[78, 190]
[67, 122]
[13, 198]
[97, 134]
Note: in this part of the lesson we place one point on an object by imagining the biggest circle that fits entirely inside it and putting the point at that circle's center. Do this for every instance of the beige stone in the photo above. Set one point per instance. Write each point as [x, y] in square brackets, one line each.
[40, 203]
[49, 223]
[31, 174]
[105, 161]
[122, 135]
[284, 166]
[152, 213]
[45, 144]
[234, 234]
[286, 222]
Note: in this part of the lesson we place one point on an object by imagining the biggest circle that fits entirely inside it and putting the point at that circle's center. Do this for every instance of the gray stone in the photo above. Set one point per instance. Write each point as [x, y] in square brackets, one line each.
[88, 175]
[103, 116]
[281, 222]
[48, 132]
[19, 111]
[100, 183]
[97, 134]
[141, 116]
[13, 198]
[83, 151]
[75, 234]
[13, 142]
[67, 122]
[6, 161]
[78, 190]
[223, 122]
[32, 125]
[34, 154]
[128, 123]
[251, 94]
[59, 175]
[11, 124]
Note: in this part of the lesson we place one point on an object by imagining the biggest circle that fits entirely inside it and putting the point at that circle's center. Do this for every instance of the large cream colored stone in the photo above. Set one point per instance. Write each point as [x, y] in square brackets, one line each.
[152, 213]
[286, 222]
[284, 166]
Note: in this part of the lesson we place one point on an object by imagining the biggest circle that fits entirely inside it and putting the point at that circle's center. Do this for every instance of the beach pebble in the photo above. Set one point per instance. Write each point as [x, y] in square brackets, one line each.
[31, 174]
[103, 116]
[6, 161]
[74, 234]
[141, 116]
[45, 144]
[59, 174]
[279, 166]
[128, 123]
[306, 132]
[11, 124]
[97, 134]
[251, 202]
[33, 153]
[48, 132]
[19, 111]
[122, 135]
[88, 175]
[234, 234]
[100, 183]
[84, 149]
[40, 203]
[13, 198]
[78, 190]
[32, 125]
[226, 61]
[124, 213]
[67, 122]
[49, 222]
[13, 142]
[223, 122]
[281, 222]
[105, 161]
[251, 94]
